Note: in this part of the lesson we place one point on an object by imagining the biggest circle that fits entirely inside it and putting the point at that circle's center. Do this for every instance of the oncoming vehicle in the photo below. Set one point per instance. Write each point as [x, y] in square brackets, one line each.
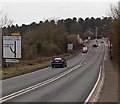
[85, 49]
[102, 42]
[58, 62]
[95, 45]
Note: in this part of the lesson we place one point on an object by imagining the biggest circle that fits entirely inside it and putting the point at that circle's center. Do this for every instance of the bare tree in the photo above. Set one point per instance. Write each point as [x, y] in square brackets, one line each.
[4, 21]
[115, 12]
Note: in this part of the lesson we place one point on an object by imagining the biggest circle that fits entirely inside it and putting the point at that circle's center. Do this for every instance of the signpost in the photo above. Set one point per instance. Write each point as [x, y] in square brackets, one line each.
[12, 47]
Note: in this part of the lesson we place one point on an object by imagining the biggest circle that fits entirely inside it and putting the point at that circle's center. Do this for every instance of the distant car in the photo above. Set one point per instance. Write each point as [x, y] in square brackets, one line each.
[85, 40]
[83, 45]
[58, 62]
[85, 49]
[102, 42]
[95, 45]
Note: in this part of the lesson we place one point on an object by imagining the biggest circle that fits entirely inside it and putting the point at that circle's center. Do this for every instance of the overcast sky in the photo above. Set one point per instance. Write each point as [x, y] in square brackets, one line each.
[28, 11]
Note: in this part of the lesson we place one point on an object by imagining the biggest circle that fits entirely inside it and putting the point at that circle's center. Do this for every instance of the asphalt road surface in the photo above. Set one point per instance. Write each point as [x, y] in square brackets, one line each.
[70, 84]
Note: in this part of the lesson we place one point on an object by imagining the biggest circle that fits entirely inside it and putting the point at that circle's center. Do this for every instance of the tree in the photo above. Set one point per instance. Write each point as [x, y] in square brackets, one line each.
[115, 32]
[4, 22]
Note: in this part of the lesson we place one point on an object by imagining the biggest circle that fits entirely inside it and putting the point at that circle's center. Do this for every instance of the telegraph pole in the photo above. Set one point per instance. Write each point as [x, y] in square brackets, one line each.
[119, 5]
[96, 32]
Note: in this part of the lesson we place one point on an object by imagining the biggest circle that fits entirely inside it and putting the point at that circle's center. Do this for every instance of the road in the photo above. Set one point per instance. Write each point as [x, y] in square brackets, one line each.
[70, 84]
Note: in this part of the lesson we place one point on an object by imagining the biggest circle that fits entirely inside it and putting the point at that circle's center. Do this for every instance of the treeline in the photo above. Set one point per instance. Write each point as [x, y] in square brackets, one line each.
[51, 37]
[73, 26]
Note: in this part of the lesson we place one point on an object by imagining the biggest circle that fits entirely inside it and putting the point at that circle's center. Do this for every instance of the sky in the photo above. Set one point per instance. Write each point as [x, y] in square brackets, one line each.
[28, 11]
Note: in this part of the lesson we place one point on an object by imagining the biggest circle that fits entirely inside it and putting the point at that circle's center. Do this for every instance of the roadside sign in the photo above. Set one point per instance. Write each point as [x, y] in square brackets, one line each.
[12, 60]
[70, 47]
[11, 46]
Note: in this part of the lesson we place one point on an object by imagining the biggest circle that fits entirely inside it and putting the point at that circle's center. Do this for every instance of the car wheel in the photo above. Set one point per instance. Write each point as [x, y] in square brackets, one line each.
[63, 65]
[53, 66]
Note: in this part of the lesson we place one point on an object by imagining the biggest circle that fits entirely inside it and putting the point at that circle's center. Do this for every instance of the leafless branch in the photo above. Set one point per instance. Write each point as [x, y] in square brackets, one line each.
[4, 21]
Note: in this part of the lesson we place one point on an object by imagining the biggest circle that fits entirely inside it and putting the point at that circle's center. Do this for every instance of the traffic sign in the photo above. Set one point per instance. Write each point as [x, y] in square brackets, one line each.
[11, 46]
[70, 47]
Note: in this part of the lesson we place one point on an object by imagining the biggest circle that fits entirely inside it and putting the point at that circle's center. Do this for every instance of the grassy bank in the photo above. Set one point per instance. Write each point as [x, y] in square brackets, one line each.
[19, 70]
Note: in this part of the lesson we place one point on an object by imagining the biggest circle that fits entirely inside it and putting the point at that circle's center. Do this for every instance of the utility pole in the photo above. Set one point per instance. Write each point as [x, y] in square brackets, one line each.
[96, 32]
[119, 5]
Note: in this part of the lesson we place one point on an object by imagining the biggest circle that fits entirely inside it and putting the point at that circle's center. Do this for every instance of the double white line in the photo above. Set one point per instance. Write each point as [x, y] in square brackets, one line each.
[13, 95]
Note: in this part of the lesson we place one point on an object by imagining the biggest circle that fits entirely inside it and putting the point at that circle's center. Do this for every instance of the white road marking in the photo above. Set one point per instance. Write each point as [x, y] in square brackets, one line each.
[91, 93]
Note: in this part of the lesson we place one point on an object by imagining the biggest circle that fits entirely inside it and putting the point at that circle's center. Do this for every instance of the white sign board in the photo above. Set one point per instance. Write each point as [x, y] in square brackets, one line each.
[12, 60]
[70, 47]
[11, 46]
